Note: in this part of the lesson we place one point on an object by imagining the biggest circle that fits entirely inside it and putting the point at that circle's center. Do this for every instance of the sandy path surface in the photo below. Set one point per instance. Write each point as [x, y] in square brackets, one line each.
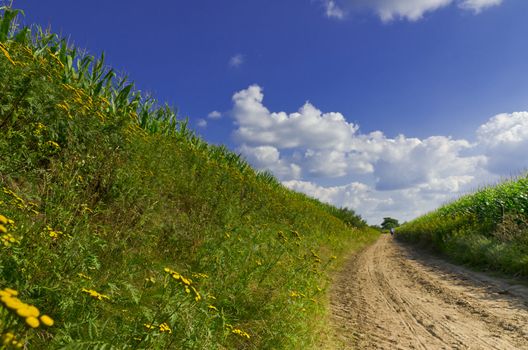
[390, 296]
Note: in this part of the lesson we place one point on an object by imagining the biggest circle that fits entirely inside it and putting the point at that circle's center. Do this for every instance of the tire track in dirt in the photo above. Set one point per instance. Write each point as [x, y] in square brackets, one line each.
[390, 296]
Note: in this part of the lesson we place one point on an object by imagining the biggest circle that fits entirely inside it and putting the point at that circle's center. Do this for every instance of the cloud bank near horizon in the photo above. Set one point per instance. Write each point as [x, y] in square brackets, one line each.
[412, 10]
[375, 175]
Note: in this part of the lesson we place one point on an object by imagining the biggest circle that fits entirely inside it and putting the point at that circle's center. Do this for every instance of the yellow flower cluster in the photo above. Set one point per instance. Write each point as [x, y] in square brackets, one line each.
[164, 327]
[9, 339]
[295, 294]
[29, 312]
[52, 144]
[38, 129]
[21, 203]
[238, 331]
[200, 275]
[53, 233]
[186, 282]
[94, 294]
[6, 238]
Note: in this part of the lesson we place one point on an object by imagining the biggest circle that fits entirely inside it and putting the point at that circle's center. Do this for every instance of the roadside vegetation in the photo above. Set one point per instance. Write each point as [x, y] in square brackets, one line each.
[120, 228]
[487, 229]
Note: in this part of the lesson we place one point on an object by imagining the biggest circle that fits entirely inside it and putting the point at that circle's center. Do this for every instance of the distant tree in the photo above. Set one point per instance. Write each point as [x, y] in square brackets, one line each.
[389, 223]
[349, 217]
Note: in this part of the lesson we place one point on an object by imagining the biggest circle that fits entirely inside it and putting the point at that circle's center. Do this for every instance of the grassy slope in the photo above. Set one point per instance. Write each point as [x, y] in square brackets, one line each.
[487, 229]
[106, 191]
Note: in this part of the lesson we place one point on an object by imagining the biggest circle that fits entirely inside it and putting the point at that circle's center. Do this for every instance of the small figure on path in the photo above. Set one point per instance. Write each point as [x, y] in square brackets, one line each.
[392, 231]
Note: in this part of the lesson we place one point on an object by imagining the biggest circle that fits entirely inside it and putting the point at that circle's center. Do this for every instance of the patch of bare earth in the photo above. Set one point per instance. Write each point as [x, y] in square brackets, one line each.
[390, 296]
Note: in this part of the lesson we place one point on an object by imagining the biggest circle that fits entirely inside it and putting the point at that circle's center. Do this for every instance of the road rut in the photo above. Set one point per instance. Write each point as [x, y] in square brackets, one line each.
[390, 296]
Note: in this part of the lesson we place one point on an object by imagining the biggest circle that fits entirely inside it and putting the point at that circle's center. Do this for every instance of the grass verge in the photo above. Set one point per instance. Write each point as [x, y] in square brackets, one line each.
[487, 229]
[126, 230]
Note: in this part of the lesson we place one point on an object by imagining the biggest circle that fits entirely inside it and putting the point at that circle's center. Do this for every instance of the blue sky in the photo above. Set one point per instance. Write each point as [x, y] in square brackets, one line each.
[410, 102]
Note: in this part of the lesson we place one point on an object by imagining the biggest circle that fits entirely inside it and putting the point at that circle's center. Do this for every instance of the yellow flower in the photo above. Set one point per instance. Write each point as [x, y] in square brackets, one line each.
[33, 311]
[3, 229]
[149, 326]
[12, 303]
[164, 327]
[33, 322]
[52, 144]
[212, 307]
[94, 294]
[11, 292]
[46, 320]
[24, 312]
[3, 219]
[240, 333]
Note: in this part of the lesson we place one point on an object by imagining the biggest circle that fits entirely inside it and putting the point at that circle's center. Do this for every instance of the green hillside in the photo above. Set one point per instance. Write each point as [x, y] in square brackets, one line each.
[121, 229]
[488, 229]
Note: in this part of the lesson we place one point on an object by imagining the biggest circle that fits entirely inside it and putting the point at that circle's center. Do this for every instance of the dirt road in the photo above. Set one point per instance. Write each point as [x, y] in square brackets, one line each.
[393, 297]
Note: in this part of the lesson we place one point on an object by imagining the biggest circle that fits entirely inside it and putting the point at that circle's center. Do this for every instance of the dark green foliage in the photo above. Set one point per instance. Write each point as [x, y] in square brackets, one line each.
[389, 223]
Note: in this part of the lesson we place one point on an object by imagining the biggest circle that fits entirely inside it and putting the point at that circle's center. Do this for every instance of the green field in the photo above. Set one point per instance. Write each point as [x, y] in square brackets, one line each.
[128, 231]
[487, 229]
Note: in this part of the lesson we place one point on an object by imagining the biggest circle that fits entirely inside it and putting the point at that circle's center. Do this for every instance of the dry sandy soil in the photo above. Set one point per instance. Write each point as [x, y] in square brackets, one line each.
[391, 296]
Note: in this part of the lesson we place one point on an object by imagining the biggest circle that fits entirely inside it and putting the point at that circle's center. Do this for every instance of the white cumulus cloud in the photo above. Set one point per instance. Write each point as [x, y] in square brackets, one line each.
[478, 5]
[214, 115]
[333, 10]
[236, 60]
[505, 141]
[413, 10]
[202, 123]
[325, 156]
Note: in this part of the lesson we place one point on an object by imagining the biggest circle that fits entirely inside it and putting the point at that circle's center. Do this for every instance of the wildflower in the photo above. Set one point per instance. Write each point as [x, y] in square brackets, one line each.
[295, 294]
[94, 294]
[197, 296]
[150, 280]
[164, 327]
[64, 106]
[3, 220]
[200, 275]
[212, 307]
[46, 320]
[10, 339]
[53, 144]
[240, 332]
[11, 292]
[54, 233]
[33, 322]
[149, 326]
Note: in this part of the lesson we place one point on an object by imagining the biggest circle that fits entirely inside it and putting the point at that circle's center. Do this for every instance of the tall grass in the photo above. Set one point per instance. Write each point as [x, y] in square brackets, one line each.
[129, 231]
[487, 229]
